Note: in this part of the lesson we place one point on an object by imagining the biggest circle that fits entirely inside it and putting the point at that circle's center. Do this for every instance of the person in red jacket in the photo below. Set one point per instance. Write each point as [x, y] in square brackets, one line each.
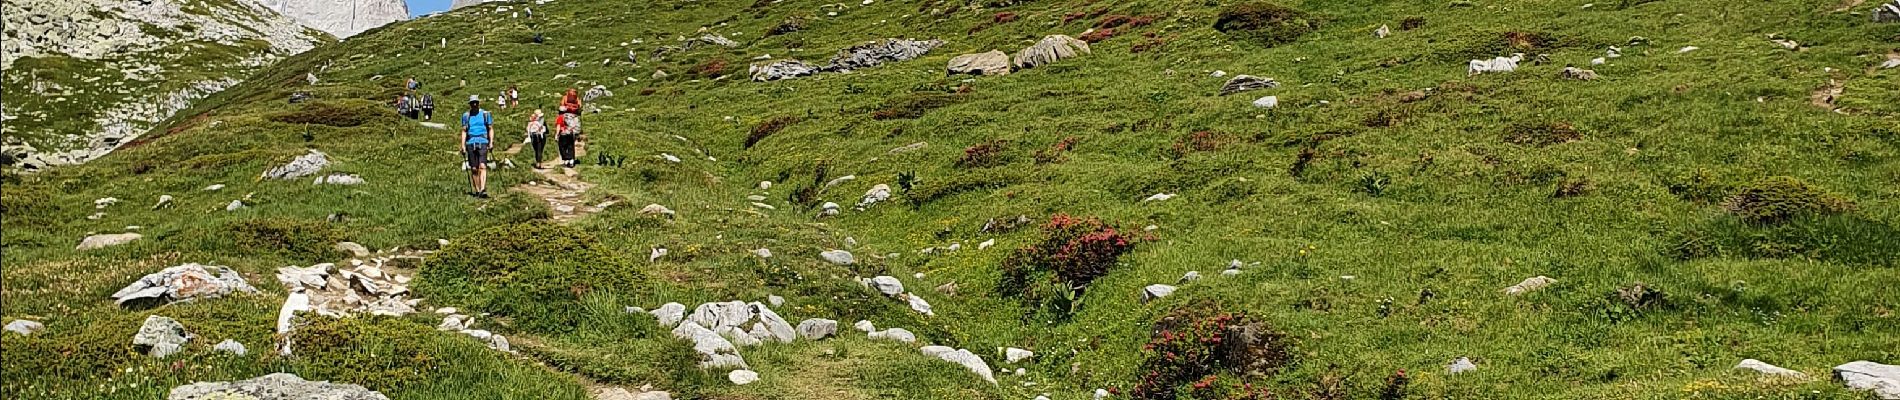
[571, 102]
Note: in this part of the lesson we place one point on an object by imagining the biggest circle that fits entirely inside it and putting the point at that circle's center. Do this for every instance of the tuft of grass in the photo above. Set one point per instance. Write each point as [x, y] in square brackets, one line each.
[1265, 23]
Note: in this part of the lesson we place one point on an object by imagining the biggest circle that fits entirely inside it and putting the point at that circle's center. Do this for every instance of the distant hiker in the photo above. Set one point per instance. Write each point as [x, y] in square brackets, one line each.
[514, 97]
[571, 102]
[405, 107]
[567, 127]
[537, 136]
[501, 100]
[413, 84]
[428, 107]
[476, 125]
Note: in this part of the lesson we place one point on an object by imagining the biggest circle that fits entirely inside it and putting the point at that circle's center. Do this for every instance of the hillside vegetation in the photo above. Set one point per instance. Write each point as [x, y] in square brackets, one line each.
[1694, 207]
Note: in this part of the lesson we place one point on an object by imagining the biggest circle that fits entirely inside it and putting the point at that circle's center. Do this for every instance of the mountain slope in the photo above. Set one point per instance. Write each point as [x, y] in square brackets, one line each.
[1695, 206]
[85, 77]
[342, 18]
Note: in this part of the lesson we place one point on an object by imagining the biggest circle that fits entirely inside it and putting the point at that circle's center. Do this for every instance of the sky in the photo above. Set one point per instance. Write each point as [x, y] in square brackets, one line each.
[419, 7]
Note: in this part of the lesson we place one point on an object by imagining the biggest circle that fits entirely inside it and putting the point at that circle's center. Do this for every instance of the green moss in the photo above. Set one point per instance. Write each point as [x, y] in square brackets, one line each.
[535, 272]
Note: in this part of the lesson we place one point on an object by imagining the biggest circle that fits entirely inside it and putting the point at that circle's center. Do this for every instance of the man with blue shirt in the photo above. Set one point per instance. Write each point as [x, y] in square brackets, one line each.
[477, 124]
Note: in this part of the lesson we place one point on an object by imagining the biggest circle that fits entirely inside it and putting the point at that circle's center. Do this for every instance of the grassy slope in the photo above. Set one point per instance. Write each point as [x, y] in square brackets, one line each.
[1476, 218]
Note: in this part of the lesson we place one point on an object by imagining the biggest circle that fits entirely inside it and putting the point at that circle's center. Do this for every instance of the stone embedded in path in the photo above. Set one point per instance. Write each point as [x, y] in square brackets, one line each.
[1156, 291]
[1050, 49]
[184, 282]
[278, 386]
[24, 327]
[994, 62]
[1768, 369]
[838, 257]
[107, 240]
[1882, 379]
[817, 328]
[161, 336]
[1242, 83]
[742, 377]
[305, 165]
[1529, 285]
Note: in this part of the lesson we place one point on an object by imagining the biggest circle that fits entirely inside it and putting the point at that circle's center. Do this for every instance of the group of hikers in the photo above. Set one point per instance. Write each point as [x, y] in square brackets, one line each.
[478, 130]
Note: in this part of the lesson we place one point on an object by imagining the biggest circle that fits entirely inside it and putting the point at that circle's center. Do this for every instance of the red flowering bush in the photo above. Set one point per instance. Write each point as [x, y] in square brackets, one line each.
[1099, 35]
[984, 155]
[1192, 346]
[1054, 272]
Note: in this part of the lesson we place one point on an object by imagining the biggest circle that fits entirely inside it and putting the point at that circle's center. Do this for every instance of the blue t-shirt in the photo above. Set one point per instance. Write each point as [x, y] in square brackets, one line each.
[477, 127]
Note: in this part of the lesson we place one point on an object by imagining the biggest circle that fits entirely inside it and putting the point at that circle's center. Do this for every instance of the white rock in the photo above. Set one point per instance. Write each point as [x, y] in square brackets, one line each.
[818, 328]
[164, 200]
[656, 254]
[1500, 64]
[24, 327]
[106, 240]
[877, 194]
[741, 377]
[670, 314]
[1191, 276]
[1382, 32]
[214, 187]
[184, 282]
[1686, 49]
[1882, 379]
[838, 257]
[234, 206]
[918, 304]
[774, 300]
[163, 336]
[738, 337]
[1267, 102]
[1101, 394]
[1013, 355]
[719, 315]
[865, 326]
[888, 285]
[1529, 285]
[1159, 197]
[453, 322]
[765, 185]
[230, 346]
[896, 334]
[1768, 369]
[779, 329]
[971, 361]
[1155, 291]
[1461, 365]
[986, 244]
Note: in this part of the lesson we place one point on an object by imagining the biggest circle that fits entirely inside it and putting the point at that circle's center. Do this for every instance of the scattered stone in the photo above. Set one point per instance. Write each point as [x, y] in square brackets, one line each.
[895, 334]
[1529, 285]
[817, 328]
[742, 377]
[965, 358]
[107, 240]
[1230, 273]
[184, 282]
[829, 209]
[161, 336]
[1242, 83]
[1889, 12]
[1155, 291]
[1191, 276]
[1101, 394]
[339, 179]
[1267, 102]
[994, 62]
[1217, 74]
[774, 325]
[278, 386]
[720, 315]
[1159, 197]
[1686, 49]
[875, 53]
[838, 257]
[214, 187]
[494, 341]
[782, 69]
[597, 92]
[353, 248]
[453, 322]
[1500, 64]
[918, 304]
[670, 314]
[715, 351]
[1052, 48]
[774, 300]
[234, 206]
[1014, 355]
[762, 252]
[1461, 365]
[865, 326]
[839, 181]
[1768, 369]
[163, 201]
[656, 253]
[1882, 379]
[102, 203]
[888, 285]
[877, 193]
[305, 165]
[739, 337]
[1578, 74]
[230, 346]
[656, 209]
[1382, 32]
[909, 148]
[948, 289]
[24, 327]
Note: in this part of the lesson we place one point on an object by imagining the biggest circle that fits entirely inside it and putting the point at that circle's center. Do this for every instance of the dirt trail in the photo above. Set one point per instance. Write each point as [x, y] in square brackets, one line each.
[562, 189]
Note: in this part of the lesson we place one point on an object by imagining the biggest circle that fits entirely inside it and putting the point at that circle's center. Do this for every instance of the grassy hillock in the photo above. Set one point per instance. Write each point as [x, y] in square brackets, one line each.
[1695, 208]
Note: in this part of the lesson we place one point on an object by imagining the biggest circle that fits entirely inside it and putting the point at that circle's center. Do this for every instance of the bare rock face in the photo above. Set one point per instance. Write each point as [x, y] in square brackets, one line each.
[995, 62]
[342, 18]
[146, 85]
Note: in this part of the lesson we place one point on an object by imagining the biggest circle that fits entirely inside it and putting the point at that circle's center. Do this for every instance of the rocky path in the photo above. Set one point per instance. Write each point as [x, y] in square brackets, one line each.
[563, 190]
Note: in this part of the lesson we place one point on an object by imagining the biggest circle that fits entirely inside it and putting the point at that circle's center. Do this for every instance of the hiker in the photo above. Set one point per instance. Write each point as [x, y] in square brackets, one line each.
[428, 107]
[413, 84]
[403, 105]
[537, 136]
[514, 97]
[567, 127]
[501, 100]
[476, 125]
[571, 102]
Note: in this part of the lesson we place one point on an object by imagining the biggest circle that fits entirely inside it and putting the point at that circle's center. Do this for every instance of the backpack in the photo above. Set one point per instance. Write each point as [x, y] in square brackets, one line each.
[487, 120]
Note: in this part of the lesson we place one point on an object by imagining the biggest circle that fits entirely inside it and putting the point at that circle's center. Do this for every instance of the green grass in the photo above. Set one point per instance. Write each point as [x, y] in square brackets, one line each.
[1462, 211]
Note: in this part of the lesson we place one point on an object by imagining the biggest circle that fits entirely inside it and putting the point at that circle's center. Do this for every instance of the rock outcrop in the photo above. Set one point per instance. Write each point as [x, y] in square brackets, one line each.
[1051, 49]
[342, 18]
[278, 386]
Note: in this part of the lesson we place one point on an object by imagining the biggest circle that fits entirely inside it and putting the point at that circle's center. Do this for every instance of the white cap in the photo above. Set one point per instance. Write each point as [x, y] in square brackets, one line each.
[474, 98]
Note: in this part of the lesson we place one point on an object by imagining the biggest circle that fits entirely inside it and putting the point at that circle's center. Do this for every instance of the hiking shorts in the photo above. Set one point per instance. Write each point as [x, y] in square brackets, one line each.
[477, 155]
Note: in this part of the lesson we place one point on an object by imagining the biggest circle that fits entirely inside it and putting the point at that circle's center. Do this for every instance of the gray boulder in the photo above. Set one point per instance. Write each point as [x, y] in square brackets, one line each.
[720, 315]
[1156, 291]
[817, 328]
[1889, 12]
[670, 314]
[878, 52]
[1529, 285]
[1051, 49]
[596, 92]
[894, 334]
[886, 284]
[779, 329]
[278, 386]
[27, 328]
[968, 360]
[838, 257]
[1882, 379]
[305, 165]
[107, 240]
[994, 62]
[161, 336]
[782, 69]
[184, 282]
[1242, 83]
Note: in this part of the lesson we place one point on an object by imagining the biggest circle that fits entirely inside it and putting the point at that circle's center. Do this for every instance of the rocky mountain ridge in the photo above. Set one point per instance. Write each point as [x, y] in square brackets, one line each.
[343, 18]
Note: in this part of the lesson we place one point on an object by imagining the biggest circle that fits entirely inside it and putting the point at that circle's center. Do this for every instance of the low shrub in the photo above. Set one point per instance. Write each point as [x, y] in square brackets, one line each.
[984, 155]
[789, 25]
[1198, 343]
[1699, 186]
[1541, 133]
[1573, 187]
[1055, 153]
[1099, 35]
[1053, 273]
[1778, 199]
[982, 179]
[93, 354]
[1845, 239]
[713, 68]
[767, 128]
[1199, 142]
[535, 272]
[1151, 44]
[302, 240]
[337, 114]
[1117, 21]
[380, 353]
[1410, 23]
[914, 106]
[1265, 23]
[1004, 17]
